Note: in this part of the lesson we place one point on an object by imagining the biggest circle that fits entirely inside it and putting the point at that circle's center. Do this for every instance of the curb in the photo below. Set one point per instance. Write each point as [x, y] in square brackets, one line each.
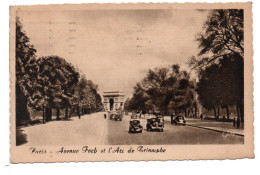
[217, 130]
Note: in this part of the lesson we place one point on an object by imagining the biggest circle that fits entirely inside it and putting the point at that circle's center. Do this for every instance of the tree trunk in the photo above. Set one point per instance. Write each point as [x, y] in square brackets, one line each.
[227, 112]
[70, 112]
[218, 111]
[66, 112]
[58, 113]
[215, 113]
[196, 109]
[48, 114]
[43, 114]
[78, 111]
[237, 110]
[242, 112]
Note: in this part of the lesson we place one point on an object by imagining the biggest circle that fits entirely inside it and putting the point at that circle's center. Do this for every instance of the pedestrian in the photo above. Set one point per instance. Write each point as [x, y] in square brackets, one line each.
[238, 123]
[201, 116]
[78, 114]
[234, 122]
[105, 116]
[171, 118]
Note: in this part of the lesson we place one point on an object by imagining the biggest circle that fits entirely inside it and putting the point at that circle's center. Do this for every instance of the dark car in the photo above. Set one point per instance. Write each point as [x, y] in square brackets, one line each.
[134, 116]
[160, 118]
[179, 120]
[115, 116]
[154, 124]
[156, 113]
[135, 126]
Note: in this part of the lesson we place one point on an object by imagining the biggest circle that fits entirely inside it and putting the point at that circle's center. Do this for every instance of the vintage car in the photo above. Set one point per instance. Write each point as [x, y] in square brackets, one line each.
[154, 124]
[135, 126]
[156, 113]
[160, 118]
[116, 116]
[179, 120]
[134, 116]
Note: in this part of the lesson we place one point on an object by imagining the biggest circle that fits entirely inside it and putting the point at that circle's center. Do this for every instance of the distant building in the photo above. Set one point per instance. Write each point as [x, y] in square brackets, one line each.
[113, 100]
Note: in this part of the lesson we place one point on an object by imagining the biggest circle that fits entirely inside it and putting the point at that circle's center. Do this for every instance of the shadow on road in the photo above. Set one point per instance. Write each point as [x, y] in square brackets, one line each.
[63, 119]
[152, 130]
[134, 132]
[27, 123]
[21, 138]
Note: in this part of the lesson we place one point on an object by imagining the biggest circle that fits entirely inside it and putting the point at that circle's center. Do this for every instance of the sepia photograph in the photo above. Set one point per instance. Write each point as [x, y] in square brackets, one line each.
[150, 78]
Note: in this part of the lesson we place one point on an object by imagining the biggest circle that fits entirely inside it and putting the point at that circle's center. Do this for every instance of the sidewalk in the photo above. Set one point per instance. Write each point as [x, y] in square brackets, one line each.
[218, 126]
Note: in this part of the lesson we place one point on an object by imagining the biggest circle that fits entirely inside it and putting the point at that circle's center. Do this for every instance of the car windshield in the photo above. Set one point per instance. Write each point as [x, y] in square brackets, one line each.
[135, 122]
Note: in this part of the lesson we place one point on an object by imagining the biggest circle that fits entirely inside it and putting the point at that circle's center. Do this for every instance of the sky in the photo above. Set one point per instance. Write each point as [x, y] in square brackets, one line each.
[115, 48]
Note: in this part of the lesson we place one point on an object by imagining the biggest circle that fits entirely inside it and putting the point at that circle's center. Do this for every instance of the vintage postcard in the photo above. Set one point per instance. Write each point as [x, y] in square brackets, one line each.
[131, 82]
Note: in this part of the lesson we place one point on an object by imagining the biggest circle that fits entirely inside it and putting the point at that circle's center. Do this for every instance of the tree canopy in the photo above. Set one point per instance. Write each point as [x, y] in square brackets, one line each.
[26, 68]
[219, 63]
[48, 82]
[223, 34]
[163, 89]
[86, 95]
[55, 83]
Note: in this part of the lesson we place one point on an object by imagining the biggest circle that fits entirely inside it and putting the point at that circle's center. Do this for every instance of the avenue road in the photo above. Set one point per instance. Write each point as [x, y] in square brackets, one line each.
[93, 129]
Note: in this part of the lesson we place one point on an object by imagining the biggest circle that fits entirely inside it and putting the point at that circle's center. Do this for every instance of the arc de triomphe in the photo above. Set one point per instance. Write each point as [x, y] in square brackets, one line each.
[113, 100]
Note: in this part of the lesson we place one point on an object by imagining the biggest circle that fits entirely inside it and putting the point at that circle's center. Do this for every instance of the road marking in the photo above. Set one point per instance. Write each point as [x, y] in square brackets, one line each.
[104, 131]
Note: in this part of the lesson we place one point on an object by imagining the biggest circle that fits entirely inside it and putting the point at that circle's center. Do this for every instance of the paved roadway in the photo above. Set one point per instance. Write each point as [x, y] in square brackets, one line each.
[93, 129]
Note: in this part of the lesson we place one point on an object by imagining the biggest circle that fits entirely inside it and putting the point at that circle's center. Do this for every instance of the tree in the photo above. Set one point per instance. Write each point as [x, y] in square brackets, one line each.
[139, 99]
[208, 88]
[99, 104]
[25, 71]
[86, 96]
[184, 96]
[91, 102]
[220, 60]
[161, 84]
[221, 85]
[54, 86]
[223, 34]
[127, 105]
[163, 89]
